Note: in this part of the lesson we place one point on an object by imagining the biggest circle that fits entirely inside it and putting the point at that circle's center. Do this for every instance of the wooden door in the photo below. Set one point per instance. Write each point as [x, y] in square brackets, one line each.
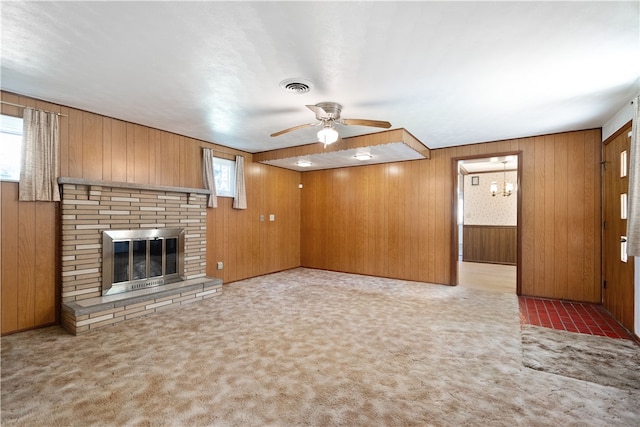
[617, 291]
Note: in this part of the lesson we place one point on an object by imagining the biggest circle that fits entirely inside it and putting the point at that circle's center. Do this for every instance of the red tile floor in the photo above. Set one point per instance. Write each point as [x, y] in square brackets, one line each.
[569, 316]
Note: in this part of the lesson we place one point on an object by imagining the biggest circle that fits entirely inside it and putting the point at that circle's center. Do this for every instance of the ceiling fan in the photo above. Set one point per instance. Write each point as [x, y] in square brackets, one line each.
[328, 114]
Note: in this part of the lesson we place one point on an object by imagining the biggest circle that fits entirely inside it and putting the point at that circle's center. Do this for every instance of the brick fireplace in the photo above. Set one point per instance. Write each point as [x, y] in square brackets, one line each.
[89, 208]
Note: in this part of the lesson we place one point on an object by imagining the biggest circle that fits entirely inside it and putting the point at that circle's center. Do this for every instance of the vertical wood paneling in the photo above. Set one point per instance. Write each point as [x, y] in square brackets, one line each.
[75, 150]
[395, 267]
[265, 228]
[247, 246]
[164, 158]
[549, 216]
[9, 261]
[425, 218]
[64, 142]
[442, 207]
[141, 155]
[97, 147]
[107, 148]
[131, 152]
[526, 227]
[341, 182]
[255, 197]
[45, 263]
[560, 204]
[575, 217]
[155, 139]
[230, 241]
[92, 147]
[26, 264]
[560, 215]
[391, 220]
[310, 248]
[592, 214]
[119, 150]
[411, 223]
[193, 163]
[539, 210]
[375, 219]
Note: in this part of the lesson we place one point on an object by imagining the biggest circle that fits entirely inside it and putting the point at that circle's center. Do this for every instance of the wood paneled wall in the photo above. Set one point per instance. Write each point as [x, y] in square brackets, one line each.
[103, 148]
[29, 261]
[497, 244]
[247, 246]
[391, 220]
[394, 220]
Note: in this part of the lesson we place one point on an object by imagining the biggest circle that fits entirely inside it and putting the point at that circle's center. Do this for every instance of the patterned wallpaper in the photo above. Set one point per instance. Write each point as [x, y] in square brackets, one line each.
[481, 208]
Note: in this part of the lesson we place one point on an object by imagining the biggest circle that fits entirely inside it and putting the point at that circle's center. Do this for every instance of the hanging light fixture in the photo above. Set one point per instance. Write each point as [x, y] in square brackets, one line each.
[327, 135]
[507, 187]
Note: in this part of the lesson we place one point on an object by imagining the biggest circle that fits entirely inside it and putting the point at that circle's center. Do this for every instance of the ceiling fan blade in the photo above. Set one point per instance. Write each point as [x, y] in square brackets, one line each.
[318, 111]
[363, 122]
[293, 128]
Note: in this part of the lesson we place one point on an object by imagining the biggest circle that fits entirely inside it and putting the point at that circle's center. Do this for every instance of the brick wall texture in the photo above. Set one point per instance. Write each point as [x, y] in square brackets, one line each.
[87, 210]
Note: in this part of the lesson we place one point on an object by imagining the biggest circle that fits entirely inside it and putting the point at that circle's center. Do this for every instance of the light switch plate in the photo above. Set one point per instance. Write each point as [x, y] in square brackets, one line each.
[272, 217]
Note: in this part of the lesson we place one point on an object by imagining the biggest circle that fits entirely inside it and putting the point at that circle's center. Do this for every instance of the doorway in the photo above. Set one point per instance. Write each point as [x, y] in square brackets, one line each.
[486, 222]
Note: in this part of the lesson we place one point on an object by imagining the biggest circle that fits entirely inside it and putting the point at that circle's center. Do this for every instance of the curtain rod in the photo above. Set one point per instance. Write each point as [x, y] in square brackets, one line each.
[33, 108]
[224, 152]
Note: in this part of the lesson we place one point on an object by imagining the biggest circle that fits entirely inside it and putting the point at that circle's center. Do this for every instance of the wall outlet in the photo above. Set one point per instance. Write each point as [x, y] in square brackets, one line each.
[220, 265]
[272, 217]
[261, 218]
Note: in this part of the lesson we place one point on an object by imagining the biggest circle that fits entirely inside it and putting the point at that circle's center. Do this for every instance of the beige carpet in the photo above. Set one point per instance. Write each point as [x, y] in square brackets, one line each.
[601, 360]
[304, 347]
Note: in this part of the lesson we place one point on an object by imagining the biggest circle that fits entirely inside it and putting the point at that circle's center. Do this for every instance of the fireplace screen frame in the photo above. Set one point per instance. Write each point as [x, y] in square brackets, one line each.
[110, 237]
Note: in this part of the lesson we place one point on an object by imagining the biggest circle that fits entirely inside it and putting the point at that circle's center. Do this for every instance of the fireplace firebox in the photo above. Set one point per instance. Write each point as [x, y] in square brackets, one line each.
[136, 259]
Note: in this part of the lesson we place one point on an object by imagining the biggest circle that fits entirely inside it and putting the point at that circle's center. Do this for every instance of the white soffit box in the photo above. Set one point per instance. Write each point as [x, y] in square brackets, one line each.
[384, 153]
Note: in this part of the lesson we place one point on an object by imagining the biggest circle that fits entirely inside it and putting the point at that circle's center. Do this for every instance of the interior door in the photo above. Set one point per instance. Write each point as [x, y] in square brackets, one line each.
[617, 292]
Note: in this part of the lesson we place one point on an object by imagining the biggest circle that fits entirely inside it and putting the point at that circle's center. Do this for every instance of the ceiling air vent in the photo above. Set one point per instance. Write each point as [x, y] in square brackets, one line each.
[296, 85]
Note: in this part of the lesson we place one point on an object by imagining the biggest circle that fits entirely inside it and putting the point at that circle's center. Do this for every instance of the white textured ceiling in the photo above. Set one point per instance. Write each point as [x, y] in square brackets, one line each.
[451, 73]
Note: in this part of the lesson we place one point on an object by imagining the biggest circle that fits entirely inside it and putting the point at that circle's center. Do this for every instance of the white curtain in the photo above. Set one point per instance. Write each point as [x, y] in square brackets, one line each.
[633, 199]
[39, 156]
[240, 201]
[207, 177]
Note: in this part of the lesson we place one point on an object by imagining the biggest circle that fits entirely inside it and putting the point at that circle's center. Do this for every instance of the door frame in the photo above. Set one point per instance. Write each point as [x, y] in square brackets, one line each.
[454, 214]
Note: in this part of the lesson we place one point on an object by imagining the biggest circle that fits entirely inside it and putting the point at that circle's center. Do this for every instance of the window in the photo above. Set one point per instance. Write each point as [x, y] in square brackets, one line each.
[10, 147]
[224, 173]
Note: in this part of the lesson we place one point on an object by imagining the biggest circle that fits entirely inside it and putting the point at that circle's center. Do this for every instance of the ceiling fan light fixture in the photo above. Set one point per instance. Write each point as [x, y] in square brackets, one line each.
[327, 135]
[363, 156]
[304, 163]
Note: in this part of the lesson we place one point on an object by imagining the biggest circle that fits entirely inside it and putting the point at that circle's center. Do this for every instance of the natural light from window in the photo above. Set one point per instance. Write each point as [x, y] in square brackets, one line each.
[224, 174]
[10, 147]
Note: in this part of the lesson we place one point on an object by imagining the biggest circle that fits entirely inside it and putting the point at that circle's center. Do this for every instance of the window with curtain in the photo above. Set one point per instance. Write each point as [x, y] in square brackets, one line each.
[10, 147]
[224, 173]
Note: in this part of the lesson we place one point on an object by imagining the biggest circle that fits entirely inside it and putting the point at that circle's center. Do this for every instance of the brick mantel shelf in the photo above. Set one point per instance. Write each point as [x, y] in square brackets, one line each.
[130, 185]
